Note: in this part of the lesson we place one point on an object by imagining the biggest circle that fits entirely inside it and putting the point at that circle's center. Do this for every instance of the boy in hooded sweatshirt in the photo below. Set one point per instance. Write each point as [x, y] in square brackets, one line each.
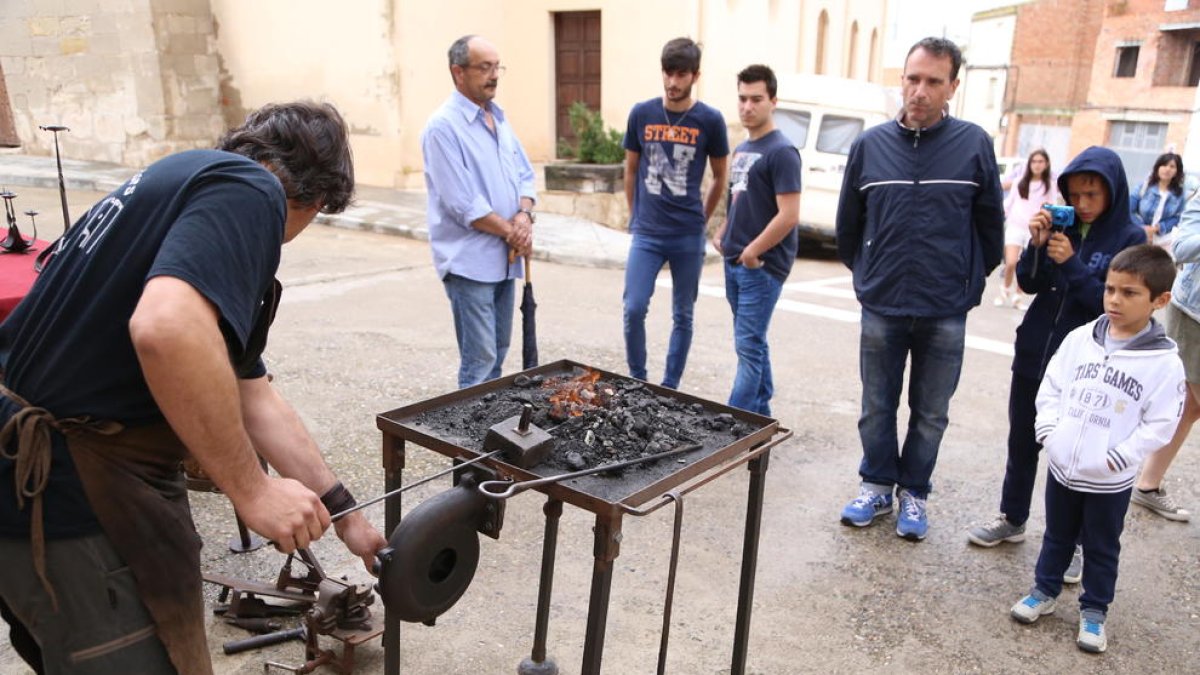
[1065, 272]
[1111, 395]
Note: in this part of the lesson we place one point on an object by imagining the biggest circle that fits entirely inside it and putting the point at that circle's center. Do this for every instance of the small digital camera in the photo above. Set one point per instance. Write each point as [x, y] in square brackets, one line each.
[1061, 217]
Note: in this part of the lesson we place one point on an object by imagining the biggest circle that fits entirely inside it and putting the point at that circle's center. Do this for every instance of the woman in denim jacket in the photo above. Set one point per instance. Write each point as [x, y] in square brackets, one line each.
[1182, 320]
[1158, 205]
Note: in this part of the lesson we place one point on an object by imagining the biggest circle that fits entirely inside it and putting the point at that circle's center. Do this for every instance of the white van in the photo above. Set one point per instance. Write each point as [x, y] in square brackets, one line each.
[822, 115]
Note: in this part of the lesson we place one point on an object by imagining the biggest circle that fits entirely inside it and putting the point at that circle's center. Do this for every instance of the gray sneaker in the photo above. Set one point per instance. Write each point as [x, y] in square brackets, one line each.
[1074, 573]
[1092, 637]
[995, 532]
[1032, 607]
[1161, 503]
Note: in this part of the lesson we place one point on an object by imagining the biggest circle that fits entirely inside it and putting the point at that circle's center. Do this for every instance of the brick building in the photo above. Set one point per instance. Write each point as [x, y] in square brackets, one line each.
[1143, 83]
[1118, 73]
[1054, 44]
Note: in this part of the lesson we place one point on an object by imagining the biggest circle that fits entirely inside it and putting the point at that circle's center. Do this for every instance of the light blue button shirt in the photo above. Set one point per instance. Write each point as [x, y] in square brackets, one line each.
[469, 173]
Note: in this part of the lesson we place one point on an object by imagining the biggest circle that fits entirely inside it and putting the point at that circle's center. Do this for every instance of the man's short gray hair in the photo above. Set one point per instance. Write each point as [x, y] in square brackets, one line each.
[459, 51]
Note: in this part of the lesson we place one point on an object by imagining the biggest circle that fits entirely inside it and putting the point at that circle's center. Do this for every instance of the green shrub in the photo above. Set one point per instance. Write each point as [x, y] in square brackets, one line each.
[594, 145]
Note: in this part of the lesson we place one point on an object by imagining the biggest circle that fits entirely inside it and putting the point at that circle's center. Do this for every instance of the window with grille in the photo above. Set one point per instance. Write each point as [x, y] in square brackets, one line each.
[1138, 144]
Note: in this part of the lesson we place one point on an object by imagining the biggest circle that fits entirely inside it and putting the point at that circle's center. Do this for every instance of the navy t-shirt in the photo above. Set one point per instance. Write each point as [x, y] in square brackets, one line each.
[210, 218]
[674, 149]
[760, 170]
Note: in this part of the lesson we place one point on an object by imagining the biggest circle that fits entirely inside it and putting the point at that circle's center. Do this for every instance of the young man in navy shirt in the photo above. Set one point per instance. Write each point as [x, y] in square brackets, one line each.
[666, 143]
[758, 239]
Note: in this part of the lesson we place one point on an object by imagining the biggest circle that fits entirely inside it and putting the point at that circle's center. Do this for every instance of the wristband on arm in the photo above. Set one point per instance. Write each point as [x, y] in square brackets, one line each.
[338, 499]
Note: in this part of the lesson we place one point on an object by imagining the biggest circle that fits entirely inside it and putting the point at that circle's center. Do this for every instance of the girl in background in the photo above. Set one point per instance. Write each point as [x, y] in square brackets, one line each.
[1158, 205]
[1036, 187]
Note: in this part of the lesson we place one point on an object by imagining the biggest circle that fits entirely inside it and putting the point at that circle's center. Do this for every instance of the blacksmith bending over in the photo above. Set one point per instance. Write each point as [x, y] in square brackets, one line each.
[142, 342]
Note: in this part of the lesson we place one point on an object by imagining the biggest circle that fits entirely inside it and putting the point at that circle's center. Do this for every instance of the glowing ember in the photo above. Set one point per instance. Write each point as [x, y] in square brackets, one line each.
[573, 397]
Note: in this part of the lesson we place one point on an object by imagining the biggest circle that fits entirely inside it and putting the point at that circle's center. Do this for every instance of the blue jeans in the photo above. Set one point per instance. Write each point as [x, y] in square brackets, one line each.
[936, 348]
[685, 256]
[752, 295]
[483, 316]
[1095, 520]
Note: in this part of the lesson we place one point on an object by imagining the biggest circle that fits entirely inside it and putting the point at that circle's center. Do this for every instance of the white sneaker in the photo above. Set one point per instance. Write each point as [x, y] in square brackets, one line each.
[1004, 298]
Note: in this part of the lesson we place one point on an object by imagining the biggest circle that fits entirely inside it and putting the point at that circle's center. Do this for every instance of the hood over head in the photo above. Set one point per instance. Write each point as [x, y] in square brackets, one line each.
[1106, 163]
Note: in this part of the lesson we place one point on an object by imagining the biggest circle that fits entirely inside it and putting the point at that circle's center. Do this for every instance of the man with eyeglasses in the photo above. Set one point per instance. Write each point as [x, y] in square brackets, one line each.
[481, 197]
[667, 143]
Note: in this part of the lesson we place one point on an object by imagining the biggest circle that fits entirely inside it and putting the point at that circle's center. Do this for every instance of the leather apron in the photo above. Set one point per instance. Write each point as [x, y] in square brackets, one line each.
[134, 483]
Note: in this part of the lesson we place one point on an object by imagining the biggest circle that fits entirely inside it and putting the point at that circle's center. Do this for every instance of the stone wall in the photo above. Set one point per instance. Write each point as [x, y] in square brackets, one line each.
[133, 79]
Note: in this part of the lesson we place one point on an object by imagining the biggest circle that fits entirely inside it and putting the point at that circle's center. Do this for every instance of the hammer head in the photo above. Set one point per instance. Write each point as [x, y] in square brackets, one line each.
[524, 445]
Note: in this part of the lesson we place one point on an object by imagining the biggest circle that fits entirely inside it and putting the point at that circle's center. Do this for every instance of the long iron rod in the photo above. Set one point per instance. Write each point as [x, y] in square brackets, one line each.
[513, 488]
[338, 516]
[672, 567]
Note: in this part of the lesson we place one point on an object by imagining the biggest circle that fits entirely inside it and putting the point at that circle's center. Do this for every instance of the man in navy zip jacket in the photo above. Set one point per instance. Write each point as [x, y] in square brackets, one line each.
[920, 222]
[1066, 274]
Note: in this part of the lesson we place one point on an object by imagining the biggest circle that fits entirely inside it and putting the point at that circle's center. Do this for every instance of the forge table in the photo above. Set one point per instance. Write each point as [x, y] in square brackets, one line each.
[609, 498]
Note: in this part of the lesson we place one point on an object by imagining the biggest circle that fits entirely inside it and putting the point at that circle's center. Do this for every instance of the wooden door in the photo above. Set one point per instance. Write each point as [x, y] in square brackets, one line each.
[576, 65]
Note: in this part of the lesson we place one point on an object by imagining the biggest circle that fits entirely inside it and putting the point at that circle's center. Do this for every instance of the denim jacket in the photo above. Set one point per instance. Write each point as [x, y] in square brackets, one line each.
[1186, 293]
[1144, 202]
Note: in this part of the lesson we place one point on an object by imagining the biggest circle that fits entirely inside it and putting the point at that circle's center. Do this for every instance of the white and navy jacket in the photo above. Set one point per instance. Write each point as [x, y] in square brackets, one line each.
[920, 219]
[1095, 409]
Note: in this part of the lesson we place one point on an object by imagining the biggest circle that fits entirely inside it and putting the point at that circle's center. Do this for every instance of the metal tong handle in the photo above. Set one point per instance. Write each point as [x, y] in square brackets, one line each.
[491, 488]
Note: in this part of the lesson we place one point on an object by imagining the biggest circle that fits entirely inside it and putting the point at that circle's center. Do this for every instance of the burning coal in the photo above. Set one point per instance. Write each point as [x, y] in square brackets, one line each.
[574, 397]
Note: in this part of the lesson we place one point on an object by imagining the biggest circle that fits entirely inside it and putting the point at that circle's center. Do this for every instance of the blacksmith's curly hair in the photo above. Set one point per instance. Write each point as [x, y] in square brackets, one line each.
[306, 145]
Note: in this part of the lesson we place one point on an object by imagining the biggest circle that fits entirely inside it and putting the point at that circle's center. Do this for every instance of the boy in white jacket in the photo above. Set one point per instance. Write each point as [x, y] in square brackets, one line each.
[1112, 395]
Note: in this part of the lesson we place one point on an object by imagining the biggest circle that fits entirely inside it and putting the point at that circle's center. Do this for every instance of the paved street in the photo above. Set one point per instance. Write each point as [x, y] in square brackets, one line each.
[365, 327]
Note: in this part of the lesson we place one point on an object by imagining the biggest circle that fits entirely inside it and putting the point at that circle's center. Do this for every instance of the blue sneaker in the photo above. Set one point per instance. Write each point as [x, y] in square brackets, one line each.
[912, 523]
[866, 506]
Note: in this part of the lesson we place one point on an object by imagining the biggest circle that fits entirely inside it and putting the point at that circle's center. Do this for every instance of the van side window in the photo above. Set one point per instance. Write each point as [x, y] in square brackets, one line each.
[838, 133]
[794, 124]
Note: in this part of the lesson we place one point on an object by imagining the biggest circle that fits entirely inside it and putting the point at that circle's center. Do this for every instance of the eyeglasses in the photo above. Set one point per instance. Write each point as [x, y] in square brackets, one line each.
[488, 68]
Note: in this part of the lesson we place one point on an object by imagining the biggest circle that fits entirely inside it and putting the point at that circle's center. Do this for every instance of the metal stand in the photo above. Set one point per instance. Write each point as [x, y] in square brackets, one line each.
[754, 503]
[245, 541]
[537, 663]
[393, 469]
[754, 451]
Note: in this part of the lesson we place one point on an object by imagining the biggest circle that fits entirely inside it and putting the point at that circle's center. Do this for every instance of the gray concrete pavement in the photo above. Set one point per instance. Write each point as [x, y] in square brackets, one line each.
[365, 328]
[561, 239]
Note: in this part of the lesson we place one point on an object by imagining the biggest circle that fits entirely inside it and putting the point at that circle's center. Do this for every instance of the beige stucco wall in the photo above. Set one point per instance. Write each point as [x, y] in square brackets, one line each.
[136, 79]
[383, 62]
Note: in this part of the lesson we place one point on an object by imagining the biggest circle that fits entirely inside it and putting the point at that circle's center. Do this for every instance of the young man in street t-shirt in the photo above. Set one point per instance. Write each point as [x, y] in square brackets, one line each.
[666, 143]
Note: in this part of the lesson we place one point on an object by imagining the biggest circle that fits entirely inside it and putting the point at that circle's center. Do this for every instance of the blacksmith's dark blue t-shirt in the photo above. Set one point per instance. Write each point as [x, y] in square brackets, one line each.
[674, 149]
[210, 218]
[760, 170]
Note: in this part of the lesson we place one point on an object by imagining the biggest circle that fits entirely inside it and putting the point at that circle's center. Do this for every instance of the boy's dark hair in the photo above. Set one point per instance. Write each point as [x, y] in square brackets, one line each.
[759, 73]
[306, 145]
[1088, 176]
[681, 55]
[940, 47]
[1176, 185]
[1152, 264]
